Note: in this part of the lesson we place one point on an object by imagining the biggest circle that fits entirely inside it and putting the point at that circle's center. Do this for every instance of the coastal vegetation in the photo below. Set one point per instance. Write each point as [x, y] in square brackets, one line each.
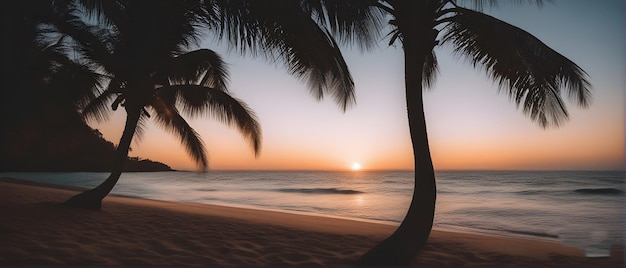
[57, 145]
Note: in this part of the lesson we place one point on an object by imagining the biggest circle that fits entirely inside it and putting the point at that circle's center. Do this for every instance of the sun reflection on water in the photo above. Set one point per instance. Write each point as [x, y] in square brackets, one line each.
[359, 200]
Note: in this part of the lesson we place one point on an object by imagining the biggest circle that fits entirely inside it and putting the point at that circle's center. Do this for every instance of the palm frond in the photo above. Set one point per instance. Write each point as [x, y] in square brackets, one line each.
[76, 82]
[169, 118]
[531, 72]
[481, 4]
[201, 67]
[431, 69]
[238, 25]
[195, 100]
[140, 128]
[311, 54]
[99, 108]
[283, 32]
[105, 12]
[142, 35]
[90, 40]
[356, 21]
[167, 27]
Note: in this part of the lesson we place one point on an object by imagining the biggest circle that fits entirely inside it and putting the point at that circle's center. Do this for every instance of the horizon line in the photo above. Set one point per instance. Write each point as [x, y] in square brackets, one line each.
[393, 170]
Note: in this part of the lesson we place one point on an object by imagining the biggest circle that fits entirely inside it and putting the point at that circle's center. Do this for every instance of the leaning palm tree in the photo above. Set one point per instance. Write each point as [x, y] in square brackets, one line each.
[281, 31]
[530, 72]
[141, 48]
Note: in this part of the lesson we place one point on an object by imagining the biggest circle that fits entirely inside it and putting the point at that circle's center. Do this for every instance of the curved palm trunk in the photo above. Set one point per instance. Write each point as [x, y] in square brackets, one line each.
[92, 199]
[404, 244]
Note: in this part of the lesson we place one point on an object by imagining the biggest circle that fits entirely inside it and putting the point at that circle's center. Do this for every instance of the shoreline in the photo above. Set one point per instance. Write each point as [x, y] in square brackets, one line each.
[180, 234]
[304, 213]
[457, 229]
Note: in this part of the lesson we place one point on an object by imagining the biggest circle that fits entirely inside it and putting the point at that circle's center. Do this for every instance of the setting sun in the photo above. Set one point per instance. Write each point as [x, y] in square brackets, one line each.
[356, 166]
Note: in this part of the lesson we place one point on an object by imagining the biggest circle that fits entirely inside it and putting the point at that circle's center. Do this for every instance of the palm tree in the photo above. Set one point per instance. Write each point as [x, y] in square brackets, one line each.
[142, 50]
[529, 71]
[259, 27]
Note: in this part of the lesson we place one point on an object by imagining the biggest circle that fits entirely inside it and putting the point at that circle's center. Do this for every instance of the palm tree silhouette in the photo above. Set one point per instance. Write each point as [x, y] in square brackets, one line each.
[142, 50]
[530, 72]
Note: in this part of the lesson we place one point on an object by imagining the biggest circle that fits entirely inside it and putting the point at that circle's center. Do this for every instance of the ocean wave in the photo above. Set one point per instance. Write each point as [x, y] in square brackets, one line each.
[499, 230]
[532, 233]
[318, 191]
[206, 190]
[531, 192]
[605, 191]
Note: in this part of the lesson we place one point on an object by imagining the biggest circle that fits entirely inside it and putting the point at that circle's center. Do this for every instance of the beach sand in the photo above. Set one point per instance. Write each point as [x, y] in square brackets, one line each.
[36, 230]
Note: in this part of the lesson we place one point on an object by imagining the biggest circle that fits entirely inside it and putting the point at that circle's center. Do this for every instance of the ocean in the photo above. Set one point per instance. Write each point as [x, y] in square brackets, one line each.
[584, 209]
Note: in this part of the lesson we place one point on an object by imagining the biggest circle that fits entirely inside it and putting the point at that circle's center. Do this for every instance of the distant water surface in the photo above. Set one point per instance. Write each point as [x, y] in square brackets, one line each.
[578, 208]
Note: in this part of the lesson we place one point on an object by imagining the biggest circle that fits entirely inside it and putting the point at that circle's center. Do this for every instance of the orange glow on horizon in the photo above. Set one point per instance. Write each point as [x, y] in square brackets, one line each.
[541, 150]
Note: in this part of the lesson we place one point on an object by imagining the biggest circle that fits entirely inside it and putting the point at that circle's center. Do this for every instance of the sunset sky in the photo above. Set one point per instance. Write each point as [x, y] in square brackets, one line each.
[470, 125]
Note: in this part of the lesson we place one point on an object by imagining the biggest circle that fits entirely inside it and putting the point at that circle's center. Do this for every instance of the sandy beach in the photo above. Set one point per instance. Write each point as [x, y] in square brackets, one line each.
[36, 231]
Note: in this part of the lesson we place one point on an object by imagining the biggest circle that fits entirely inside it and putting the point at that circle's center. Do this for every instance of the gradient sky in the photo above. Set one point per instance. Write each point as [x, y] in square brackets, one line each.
[470, 125]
